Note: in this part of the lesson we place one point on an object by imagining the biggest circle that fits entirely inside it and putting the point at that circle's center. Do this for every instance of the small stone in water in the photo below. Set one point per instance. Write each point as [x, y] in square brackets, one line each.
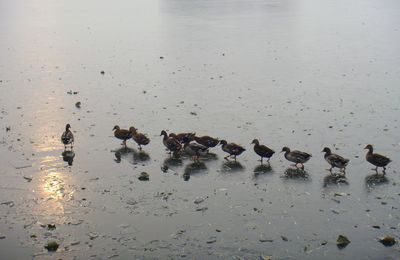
[387, 241]
[78, 104]
[342, 241]
[52, 246]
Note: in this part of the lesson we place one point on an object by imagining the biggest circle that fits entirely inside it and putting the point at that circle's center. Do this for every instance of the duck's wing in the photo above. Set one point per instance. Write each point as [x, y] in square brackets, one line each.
[337, 160]
[380, 159]
[235, 148]
[173, 144]
[300, 155]
[198, 147]
[267, 149]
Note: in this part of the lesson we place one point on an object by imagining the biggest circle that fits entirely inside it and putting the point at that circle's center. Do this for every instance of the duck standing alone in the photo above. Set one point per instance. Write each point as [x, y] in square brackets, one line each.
[67, 138]
[172, 144]
[139, 138]
[122, 134]
[297, 157]
[376, 159]
[231, 148]
[335, 160]
[262, 150]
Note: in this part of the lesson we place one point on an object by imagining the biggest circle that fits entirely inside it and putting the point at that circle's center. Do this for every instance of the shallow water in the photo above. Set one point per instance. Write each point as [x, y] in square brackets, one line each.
[303, 74]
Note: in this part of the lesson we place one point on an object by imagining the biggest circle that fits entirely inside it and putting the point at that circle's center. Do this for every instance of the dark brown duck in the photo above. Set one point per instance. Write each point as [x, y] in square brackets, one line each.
[335, 160]
[122, 134]
[262, 150]
[376, 159]
[232, 149]
[297, 157]
[172, 144]
[139, 138]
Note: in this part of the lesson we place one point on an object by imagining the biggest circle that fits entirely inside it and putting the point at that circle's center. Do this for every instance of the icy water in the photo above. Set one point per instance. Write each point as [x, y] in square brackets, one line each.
[303, 74]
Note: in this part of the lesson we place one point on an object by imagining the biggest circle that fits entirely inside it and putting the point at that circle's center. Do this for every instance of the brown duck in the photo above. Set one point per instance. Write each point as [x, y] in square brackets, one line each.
[335, 160]
[67, 138]
[262, 150]
[122, 134]
[376, 159]
[231, 148]
[139, 138]
[183, 137]
[172, 144]
[206, 140]
[297, 157]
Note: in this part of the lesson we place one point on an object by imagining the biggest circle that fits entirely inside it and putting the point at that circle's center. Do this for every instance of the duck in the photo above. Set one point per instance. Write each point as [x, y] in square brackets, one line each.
[335, 160]
[295, 156]
[122, 134]
[376, 159]
[139, 138]
[262, 150]
[172, 144]
[231, 148]
[67, 138]
[206, 140]
[183, 137]
[195, 150]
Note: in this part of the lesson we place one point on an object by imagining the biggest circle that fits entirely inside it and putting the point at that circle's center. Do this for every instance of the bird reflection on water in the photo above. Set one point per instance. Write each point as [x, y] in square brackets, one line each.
[68, 156]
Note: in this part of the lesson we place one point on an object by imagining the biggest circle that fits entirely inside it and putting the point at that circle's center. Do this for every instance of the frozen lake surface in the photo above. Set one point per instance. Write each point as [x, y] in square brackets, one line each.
[298, 73]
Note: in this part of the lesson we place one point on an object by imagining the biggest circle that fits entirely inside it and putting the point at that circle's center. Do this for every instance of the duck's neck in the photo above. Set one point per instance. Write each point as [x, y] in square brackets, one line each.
[370, 150]
[165, 136]
[327, 154]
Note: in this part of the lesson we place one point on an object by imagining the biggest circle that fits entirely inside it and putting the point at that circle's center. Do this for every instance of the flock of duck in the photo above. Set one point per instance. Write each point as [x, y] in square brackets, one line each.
[198, 146]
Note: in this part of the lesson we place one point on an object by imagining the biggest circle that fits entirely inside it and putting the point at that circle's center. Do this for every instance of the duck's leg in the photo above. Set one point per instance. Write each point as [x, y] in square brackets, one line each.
[235, 157]
[384, 171]
[302, 166]
[261, 160]
[226, 157]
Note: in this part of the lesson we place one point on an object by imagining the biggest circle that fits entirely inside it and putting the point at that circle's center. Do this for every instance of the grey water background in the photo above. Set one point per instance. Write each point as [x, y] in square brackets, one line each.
[304, 74]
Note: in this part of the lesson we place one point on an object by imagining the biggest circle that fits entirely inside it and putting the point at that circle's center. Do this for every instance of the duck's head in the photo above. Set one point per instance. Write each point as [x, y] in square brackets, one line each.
[369, 147]
[163, 133]
[222, 142]
[67, 127]
[116, 128]
[132, 129]
[285, 149]
[326, 150]
[255, 141]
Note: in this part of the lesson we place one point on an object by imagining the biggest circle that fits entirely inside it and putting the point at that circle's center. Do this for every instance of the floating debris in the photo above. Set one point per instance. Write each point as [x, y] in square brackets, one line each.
[211, 240]
[144, 176]
[51, 226]
[342, 241]
[28, 179]
[199, 200]
[78, 104]
[387, 241]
